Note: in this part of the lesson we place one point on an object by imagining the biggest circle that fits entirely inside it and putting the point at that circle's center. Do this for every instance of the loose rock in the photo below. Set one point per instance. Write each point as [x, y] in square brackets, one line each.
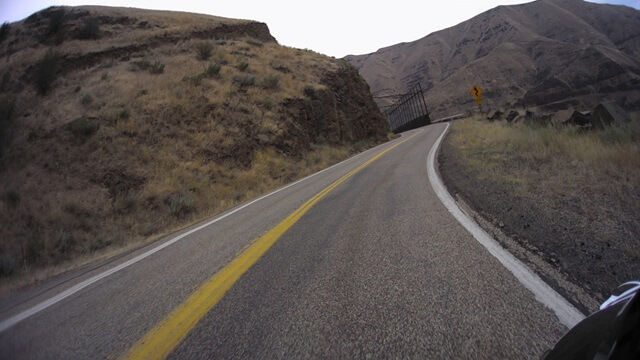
[512, 115]
[572, 117]
[607, 113]
[494, 115]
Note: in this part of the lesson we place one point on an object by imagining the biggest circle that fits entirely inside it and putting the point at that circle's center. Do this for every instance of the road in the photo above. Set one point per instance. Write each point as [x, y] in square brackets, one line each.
[375, 267]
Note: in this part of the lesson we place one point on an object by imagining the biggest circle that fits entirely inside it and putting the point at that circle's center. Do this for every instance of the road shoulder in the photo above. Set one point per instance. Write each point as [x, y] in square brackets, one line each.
[492, 207]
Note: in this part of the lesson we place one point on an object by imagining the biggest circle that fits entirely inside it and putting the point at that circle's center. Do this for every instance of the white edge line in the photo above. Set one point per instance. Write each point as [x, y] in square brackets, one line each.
[568, 315]
[13, 320]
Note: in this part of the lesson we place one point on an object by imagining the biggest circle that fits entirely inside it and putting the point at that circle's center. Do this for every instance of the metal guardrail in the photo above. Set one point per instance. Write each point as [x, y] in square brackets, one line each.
[450, 118]
[409, 112]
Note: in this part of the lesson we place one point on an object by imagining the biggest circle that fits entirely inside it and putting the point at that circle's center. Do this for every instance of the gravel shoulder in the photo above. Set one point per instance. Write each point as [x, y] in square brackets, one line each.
[582, 239]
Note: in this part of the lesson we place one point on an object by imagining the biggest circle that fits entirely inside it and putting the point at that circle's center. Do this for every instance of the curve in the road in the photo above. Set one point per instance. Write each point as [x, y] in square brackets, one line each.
[567, 313]
[23, 315]
[164, 337]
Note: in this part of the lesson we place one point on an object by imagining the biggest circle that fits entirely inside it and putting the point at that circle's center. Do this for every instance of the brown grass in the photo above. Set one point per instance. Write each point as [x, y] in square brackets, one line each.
[169, 146]
[568, 195]
[509, 150]
[596, 172]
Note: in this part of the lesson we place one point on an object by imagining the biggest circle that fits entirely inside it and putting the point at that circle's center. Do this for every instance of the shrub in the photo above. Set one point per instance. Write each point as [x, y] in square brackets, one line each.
[4, 31]
[7, 265]
[244, 81]
[267, 103]
[104, 76]
[56, 25]
[212, 70]
[77, 89]
[195, 79]
[148, 229]
[90, 29]
[156, 68]
[627, 133]
[47, 70]
[204, 50]
[101, 241]
[123, 114]
[86, 99]
[35, 246]
[255, 43]
[310, 91]
[83, 127]
[271, 82]
[125, 201]
[11, 197]
[243, 66]
[56, 21]
[63, 242]
[179, 204]
[7, 107]
[5, 83]
[153, 68]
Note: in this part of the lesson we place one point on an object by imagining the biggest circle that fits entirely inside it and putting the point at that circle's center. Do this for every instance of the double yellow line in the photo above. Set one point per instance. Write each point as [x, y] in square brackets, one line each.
[160, 341]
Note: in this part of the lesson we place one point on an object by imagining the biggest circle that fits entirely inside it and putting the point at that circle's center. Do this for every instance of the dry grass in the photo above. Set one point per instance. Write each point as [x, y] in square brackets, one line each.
[572, 196]
[169, 145]
[596, 171]
[510, 149]
[549, 162]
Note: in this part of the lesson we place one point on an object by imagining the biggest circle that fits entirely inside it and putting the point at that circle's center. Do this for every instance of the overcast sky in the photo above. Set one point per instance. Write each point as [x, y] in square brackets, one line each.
[332, 27]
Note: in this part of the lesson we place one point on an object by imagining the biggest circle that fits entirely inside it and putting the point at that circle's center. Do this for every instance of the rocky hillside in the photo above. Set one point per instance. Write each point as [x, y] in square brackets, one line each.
[541, 53]
[118, 125]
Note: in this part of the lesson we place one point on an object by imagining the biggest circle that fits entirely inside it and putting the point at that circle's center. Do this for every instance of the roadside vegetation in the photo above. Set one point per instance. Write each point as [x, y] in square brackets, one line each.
[510, 149]
[571, 195]
[125, 149]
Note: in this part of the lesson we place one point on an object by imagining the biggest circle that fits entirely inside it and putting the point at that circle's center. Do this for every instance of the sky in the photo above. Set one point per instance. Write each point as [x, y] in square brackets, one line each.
[331, 27]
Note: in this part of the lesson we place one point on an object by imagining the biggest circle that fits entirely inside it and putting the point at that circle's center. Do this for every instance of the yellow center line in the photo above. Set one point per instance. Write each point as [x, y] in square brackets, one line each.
[160, 341]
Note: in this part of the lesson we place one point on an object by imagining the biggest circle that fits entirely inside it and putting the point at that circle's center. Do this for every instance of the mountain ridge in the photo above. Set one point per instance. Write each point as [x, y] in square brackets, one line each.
[529, 54]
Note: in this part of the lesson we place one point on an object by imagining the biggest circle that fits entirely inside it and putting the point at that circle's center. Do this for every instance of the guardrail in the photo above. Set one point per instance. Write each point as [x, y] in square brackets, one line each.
[409, 112]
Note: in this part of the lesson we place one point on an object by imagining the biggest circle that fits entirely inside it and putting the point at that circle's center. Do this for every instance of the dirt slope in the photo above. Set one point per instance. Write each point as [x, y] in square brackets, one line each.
[537, 53]
[121, 124]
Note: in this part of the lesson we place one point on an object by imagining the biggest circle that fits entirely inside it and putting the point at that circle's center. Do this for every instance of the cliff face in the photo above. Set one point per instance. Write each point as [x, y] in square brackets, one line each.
[342, 112]
[543, 52]
[118, 124]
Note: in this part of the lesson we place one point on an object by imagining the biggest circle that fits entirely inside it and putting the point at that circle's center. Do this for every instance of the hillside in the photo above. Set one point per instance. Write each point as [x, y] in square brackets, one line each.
[543, 52]
[119, 125]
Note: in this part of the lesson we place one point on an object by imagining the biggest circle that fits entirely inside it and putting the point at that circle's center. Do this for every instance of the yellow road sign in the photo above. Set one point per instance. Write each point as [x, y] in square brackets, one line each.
[476, 91]
[479, 100]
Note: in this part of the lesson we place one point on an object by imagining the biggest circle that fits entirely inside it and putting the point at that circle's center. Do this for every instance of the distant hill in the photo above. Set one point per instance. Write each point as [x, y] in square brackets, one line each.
[120, 124]
[541, 53]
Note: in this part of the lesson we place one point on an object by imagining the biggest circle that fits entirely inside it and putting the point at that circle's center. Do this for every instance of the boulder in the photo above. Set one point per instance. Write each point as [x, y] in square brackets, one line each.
[529, 115]
[494, 115]
[519, 118]
[562, 116]
[572, 117]
[607, 113]
[512, 115]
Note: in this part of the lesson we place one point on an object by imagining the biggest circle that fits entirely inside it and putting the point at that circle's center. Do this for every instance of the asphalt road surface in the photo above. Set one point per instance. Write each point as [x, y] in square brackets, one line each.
[377, 267]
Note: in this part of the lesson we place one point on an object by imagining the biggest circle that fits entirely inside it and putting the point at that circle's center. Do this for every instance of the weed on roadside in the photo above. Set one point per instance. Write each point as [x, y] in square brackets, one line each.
[271, 82]
[212, 70]
[153, 68]
[243, 66]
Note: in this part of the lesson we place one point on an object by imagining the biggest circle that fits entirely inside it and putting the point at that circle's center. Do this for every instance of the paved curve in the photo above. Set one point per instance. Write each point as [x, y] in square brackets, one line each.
[378, 267]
